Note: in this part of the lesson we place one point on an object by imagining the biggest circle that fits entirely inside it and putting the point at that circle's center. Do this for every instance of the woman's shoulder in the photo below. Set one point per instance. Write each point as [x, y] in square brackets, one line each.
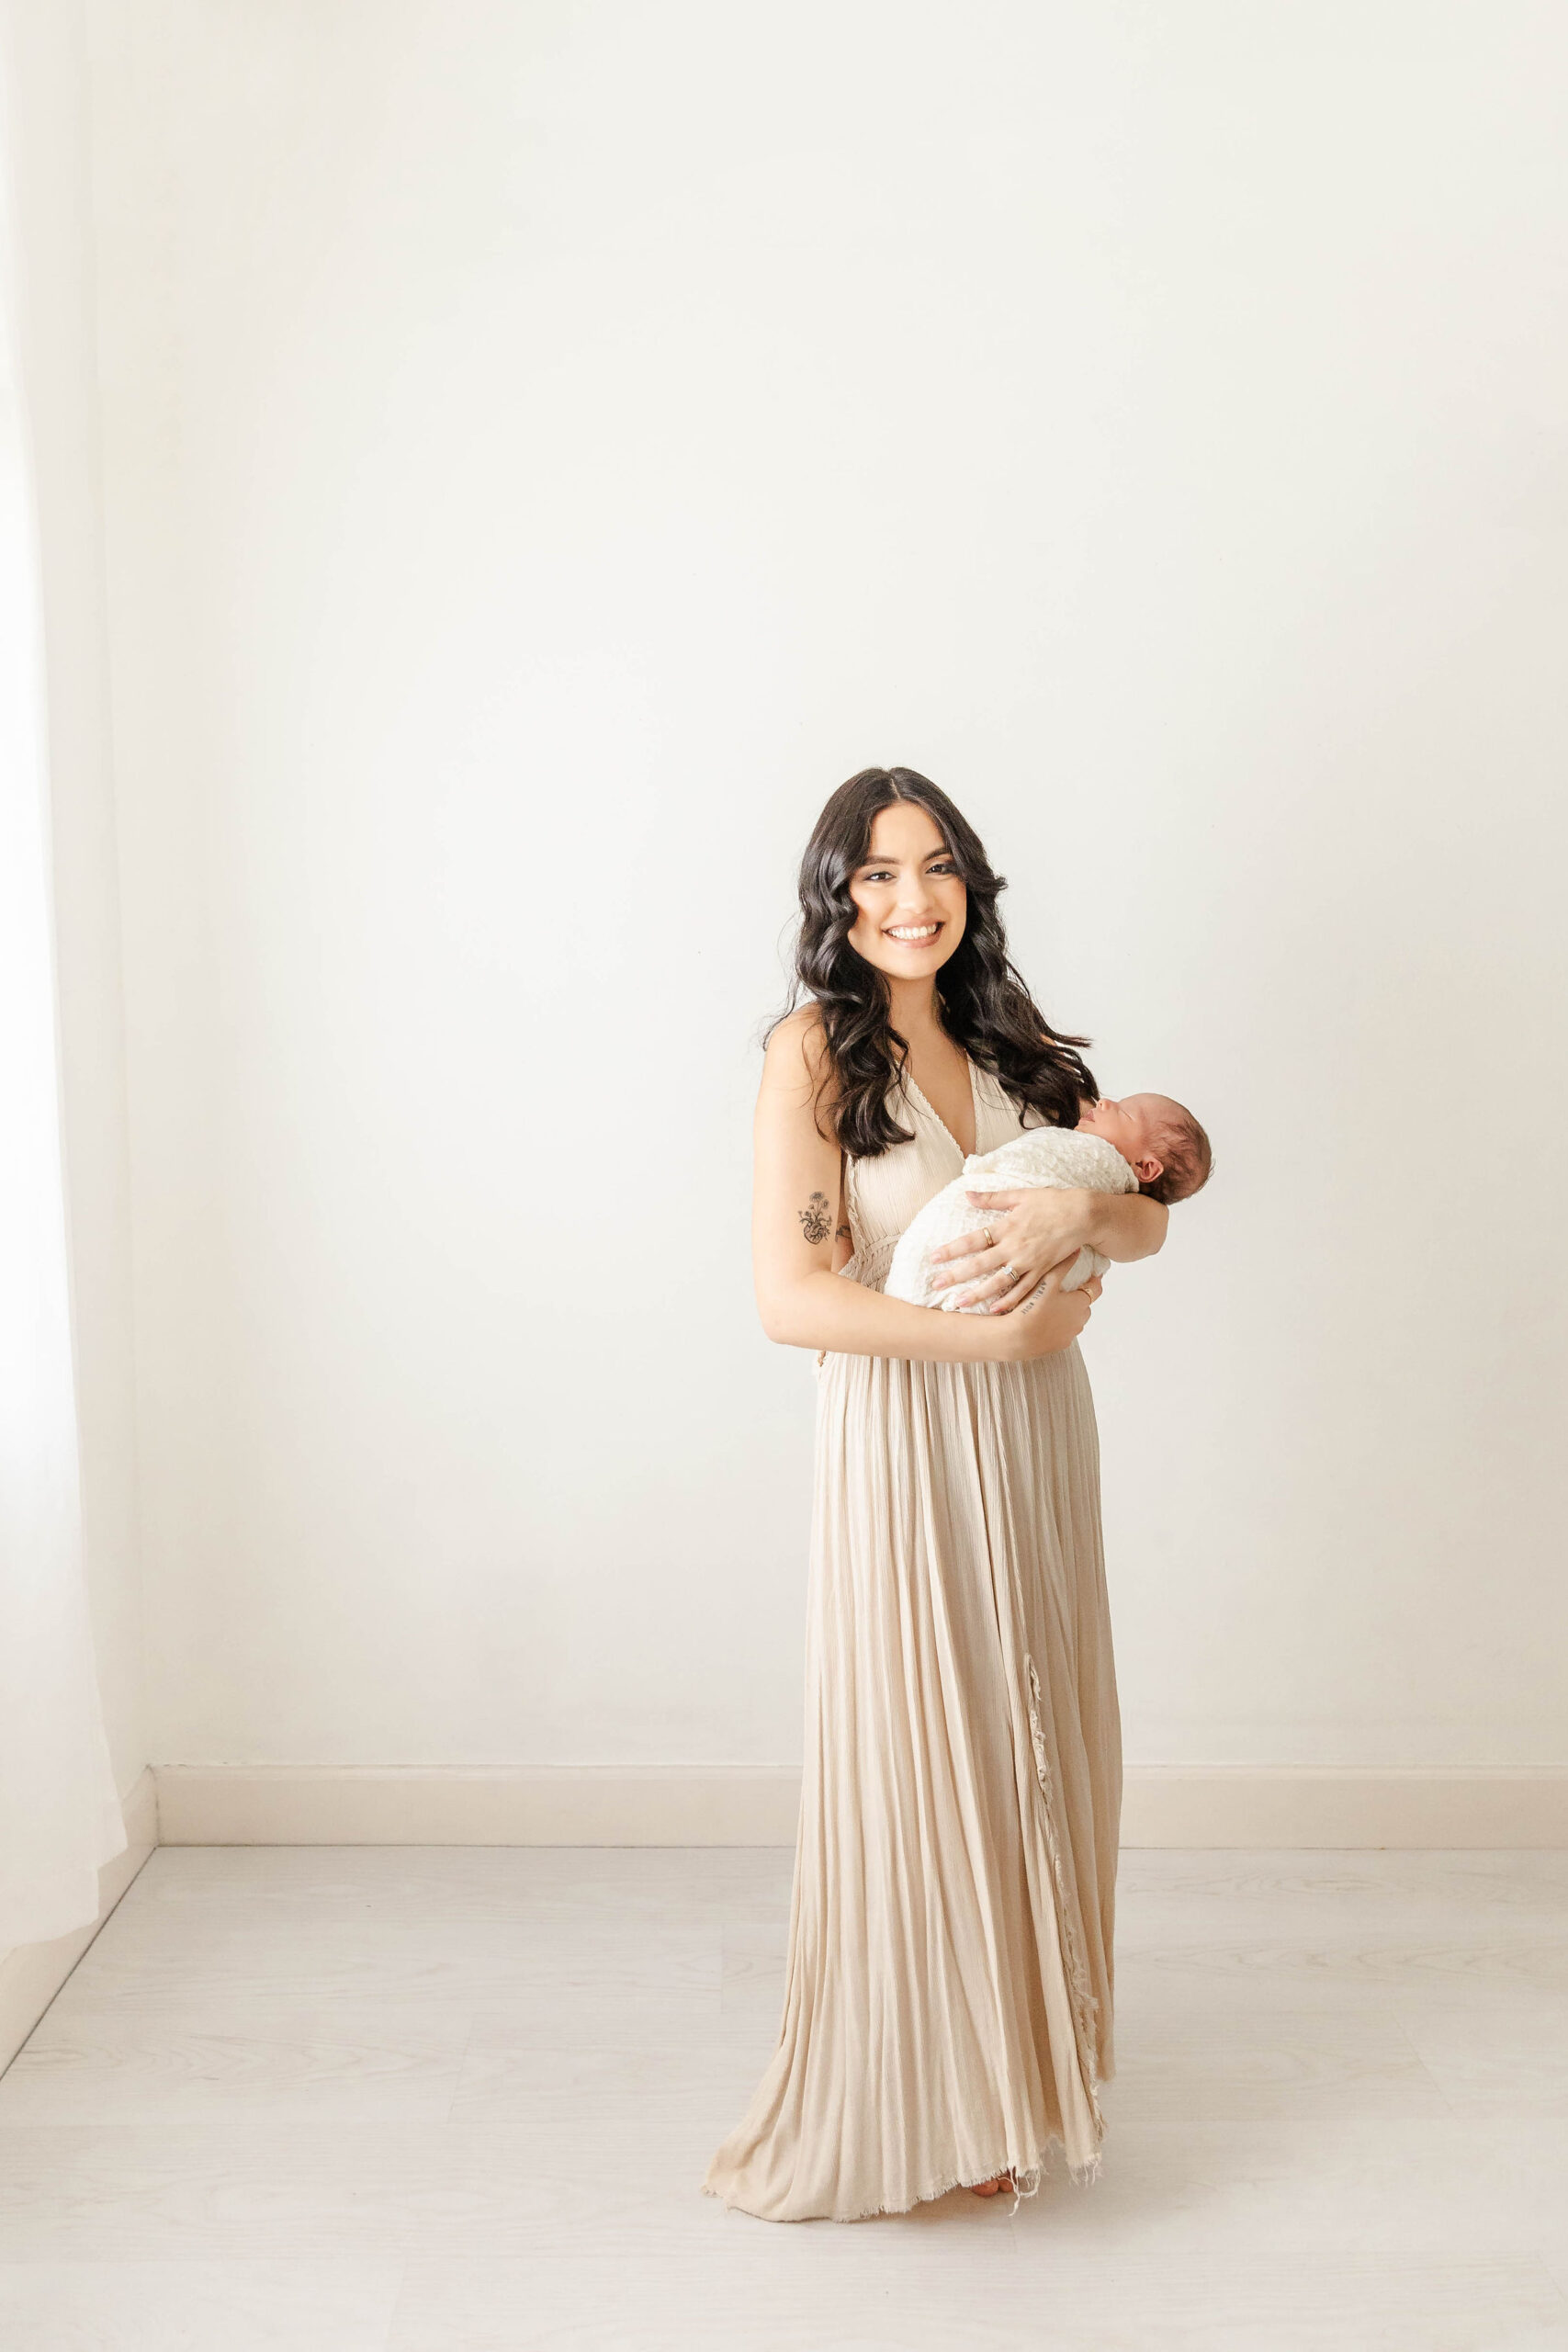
[797, 1057]
[799, 1042]
[805, 1019]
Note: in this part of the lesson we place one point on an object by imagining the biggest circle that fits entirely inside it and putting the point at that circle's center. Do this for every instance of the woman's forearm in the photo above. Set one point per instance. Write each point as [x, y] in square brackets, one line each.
[829, 1311]
[1126, 1226]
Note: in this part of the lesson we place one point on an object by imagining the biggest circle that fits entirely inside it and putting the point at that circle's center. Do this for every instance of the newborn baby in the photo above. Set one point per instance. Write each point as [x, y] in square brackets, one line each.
[1145, 1142]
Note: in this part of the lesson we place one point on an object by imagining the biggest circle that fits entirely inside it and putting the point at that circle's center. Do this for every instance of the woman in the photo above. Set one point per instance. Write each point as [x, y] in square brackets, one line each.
[947, 2005]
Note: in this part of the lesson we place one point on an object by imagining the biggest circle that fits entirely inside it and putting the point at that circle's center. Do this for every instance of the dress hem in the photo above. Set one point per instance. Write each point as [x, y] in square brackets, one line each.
[1082, 2175]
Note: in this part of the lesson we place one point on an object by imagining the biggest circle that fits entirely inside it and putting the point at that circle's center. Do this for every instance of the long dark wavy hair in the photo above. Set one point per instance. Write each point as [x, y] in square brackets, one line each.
[984, 1003]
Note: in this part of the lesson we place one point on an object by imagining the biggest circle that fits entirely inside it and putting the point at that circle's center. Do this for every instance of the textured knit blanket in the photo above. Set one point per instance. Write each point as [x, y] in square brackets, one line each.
[1058, 1159]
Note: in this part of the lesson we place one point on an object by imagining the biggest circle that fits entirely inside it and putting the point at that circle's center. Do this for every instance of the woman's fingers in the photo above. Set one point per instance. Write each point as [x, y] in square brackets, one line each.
[968, 1245]
[1027, 1286]
[1087, 1291]
[978, 1286]
[1002, 1290]
[994, 1207]
[1018, 1294]
[979, 1262]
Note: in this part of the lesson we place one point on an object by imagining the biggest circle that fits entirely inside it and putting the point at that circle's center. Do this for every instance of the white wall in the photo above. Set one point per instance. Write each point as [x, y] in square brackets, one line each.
[43, 57]
[548, 448]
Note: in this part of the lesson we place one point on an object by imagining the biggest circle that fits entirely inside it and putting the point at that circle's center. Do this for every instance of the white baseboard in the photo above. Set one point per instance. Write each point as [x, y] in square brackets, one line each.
[32, 1974]
[1240, 1805]
[1218, 1805]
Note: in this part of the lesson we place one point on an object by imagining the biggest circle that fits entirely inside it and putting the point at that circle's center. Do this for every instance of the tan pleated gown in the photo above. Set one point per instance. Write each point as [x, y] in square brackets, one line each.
[947, 2012]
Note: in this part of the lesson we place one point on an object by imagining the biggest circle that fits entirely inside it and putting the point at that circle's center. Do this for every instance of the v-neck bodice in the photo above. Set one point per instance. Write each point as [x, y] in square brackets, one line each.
[883, 1194]
[924, 1103]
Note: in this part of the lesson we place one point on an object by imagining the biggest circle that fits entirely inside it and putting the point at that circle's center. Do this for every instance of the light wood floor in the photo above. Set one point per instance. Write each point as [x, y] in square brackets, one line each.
[434, 2101]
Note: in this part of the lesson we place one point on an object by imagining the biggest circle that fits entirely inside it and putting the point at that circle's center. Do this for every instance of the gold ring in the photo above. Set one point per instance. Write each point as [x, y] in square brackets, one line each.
[990, 1243]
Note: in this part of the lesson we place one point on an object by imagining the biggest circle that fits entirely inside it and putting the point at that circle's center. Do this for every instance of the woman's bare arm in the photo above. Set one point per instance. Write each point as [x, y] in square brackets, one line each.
[1126, 1226]
[796, 1214]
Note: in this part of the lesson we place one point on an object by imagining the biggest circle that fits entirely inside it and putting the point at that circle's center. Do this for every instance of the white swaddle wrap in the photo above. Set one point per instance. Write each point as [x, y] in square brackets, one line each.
[1057, 1158]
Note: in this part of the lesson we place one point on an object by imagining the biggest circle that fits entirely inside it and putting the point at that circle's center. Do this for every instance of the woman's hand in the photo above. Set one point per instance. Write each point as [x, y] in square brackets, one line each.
[1048, 1323]
[1031, 1232]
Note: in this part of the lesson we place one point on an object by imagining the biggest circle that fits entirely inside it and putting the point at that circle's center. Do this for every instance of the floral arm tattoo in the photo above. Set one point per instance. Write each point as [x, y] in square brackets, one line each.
[816, 1218]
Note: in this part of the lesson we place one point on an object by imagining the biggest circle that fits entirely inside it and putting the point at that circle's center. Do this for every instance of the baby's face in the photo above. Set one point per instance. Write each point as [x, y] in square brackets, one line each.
[1130, 1126]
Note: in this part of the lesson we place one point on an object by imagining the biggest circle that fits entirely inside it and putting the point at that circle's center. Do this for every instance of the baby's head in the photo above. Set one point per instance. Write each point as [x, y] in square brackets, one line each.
[1166, 1149]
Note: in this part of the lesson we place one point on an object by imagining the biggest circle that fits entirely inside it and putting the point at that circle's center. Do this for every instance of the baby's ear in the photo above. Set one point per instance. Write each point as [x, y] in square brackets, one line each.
[1146, 1169]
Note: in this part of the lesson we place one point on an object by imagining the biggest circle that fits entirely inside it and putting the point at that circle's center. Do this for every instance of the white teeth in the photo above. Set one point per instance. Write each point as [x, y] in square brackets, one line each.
[926, 931]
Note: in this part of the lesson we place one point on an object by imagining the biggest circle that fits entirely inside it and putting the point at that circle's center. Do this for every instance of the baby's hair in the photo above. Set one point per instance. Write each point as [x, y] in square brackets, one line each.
[1188, 1156]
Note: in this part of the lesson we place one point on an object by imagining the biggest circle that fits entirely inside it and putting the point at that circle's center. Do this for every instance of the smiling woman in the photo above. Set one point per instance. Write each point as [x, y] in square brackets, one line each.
[947, 2010]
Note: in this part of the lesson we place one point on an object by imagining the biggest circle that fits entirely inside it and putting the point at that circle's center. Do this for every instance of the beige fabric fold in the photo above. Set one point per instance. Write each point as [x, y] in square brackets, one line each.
[947, 2010]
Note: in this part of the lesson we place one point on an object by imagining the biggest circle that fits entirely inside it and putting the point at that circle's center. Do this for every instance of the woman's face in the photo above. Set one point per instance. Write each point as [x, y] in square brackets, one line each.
[911, 903]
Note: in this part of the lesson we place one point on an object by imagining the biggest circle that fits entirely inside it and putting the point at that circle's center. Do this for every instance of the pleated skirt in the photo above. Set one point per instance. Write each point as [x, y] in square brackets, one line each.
[948, 1996]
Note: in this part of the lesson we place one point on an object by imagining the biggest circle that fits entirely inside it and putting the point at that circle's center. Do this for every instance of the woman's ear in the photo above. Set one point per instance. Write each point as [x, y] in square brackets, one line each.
[1146, 1169]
